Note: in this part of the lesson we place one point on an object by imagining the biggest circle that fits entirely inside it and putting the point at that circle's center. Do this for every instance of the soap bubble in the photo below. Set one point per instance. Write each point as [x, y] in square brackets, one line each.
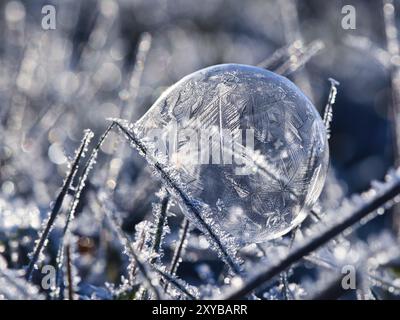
[244, 141]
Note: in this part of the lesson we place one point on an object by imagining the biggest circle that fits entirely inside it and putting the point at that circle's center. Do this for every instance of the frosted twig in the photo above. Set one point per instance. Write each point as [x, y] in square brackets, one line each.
[380, 256]
[394, 52]
[81, 184]
[160, 212]
[139, 249]
[285, 283]
[179, 249]
[188, 203]
[161, 223]
[59, 201]
[132, 253]
[70, 280]
[315, 242]
[272, 62]
[136, 76]
[129, 94]
[181, 245]
[384, 284]
[170, 279]
[284, 274]
[328, 114]
[292, 33]
[291, 58]
[296, 62]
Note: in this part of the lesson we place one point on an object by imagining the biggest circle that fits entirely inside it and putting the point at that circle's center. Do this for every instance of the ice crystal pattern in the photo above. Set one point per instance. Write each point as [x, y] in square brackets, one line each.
[256, 192]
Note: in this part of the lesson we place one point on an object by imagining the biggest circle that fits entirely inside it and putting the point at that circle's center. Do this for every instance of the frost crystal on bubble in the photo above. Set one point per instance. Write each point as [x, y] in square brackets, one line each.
[244, 141]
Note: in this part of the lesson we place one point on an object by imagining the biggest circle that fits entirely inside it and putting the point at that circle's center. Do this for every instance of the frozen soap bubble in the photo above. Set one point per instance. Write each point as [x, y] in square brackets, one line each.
[244, 141]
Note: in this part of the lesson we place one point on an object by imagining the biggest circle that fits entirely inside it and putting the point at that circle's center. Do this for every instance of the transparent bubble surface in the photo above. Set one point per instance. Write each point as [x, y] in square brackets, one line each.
[246, 142]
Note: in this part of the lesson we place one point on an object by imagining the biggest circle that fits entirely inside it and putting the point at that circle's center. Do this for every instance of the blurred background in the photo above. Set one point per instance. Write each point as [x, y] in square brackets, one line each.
[100, 39]
[114, 58]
